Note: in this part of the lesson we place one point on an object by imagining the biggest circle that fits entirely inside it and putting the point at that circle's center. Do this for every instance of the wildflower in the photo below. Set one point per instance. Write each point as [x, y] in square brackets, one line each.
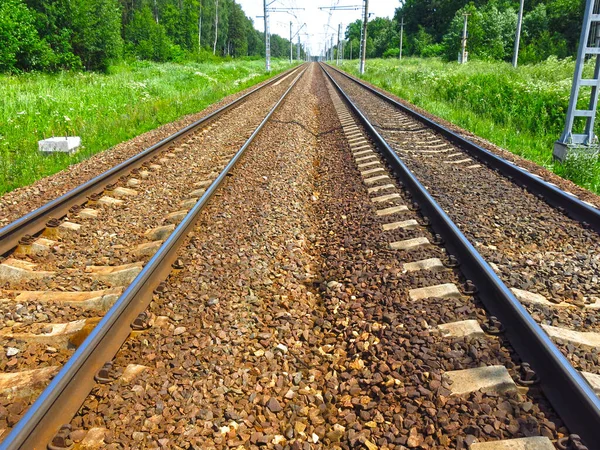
[67, 119]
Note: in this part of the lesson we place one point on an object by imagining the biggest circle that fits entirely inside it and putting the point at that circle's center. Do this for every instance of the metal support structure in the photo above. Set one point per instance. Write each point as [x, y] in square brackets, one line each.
[401, 34]
[464, 55]
[298, 49]
[589, 44]
[292, 40]
[267, 39]
[515, 60]
[338, 44]
[363, 38]
[267, 10]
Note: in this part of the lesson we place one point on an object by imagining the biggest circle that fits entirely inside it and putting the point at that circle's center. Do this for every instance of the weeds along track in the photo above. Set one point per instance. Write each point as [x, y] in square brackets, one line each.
[57, 284]
[549, 261]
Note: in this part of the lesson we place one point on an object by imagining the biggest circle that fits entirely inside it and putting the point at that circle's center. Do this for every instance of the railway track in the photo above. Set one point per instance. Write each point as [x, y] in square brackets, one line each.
[105, 246]
[519, 233]
[323, 299]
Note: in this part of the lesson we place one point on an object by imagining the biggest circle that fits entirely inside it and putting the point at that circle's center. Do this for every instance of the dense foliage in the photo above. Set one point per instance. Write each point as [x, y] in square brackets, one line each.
[434, 28]
[50, 35]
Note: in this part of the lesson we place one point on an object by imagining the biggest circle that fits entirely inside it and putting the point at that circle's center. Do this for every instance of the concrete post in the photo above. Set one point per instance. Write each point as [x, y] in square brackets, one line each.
[363, 44]
[518, 35]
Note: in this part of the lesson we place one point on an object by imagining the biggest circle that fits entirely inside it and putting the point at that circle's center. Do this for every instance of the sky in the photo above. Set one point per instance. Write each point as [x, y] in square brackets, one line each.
[316, 20]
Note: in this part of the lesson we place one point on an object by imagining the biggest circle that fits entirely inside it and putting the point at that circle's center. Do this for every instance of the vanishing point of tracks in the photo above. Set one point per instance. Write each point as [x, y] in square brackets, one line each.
[325, 298]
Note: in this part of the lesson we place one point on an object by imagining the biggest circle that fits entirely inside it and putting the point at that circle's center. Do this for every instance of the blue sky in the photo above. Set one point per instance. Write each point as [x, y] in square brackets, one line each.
[317, 30]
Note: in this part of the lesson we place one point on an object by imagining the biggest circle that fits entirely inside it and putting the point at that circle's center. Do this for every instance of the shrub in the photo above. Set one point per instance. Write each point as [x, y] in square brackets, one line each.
[22, 48]
[391, 53]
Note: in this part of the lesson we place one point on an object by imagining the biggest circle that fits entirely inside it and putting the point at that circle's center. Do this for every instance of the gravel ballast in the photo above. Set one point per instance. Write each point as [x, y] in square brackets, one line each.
[290, 325]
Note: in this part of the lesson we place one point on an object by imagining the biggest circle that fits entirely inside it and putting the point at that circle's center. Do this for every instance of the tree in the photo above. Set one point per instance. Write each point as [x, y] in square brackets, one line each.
[491, 32]
[22, 48]
[238, 35]
[147, 39]
[97, 33]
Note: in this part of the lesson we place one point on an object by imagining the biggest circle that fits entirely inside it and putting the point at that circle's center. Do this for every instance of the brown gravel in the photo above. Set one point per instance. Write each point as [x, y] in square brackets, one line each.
[19, 202]
[533, 246]
[290, 326]
[108, 240]
[532, 167]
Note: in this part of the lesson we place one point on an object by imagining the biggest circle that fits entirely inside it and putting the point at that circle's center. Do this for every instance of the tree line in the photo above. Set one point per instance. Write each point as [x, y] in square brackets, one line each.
[434, 28]
[51, 35]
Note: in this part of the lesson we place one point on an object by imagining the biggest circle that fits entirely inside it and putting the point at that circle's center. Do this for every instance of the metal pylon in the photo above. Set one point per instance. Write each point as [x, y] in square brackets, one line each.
[267, 41]
[589, 44]
[362, 15]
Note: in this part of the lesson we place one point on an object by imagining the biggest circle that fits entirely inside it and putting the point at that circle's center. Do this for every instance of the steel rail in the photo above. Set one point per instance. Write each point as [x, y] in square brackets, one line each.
[35, 221]
[571, 396]
[554, 196]
[66, 392]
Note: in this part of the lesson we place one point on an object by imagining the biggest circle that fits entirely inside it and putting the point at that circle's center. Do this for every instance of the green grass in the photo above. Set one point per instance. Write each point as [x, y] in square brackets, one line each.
[105, 109]
[522, 110]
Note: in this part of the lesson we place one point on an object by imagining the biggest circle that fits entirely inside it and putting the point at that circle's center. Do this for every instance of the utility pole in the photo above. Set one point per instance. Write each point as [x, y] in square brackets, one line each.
[401, 33]
[292, 39]
[363, 43]
[216, 26]
[343, 8]
[589, 44]
[462, 58]
[267, 32]
[518, 35]
[155, 11]
[200, 25]
[338, 44]
[298, 49]
[267, 39]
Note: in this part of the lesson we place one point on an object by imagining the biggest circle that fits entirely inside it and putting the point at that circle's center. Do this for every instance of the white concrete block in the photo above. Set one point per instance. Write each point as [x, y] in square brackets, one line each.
[68, 144]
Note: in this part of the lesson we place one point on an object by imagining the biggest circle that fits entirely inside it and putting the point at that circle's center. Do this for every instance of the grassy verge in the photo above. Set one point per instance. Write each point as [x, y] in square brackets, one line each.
[522, 110]
[105, 109]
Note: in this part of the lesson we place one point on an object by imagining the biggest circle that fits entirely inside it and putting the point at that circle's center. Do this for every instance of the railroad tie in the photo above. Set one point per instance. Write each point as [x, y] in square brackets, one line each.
[447, 290]
[462, 328]
[366, 158]
[386, 198]
[368, 172]
[460, 161]
[488, 378]
[410, 244]
[527, 443]
[380, 188]
[391, 210]
[368, 164]
[404, 224]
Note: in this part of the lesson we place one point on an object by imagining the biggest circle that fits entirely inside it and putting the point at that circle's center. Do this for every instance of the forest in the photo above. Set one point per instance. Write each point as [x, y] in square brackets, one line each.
[434, 28]
[54, 35]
